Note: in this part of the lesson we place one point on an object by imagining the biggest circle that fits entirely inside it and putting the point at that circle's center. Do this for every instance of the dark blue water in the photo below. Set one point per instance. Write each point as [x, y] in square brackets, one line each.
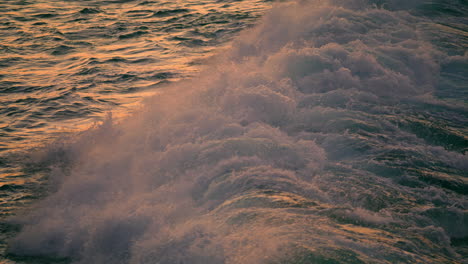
[324, 132]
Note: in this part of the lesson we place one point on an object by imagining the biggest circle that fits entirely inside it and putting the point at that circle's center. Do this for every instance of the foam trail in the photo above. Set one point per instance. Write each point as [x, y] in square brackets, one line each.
[287, 150]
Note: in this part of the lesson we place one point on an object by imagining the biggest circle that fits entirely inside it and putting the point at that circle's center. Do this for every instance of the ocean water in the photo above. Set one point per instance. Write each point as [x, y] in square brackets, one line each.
[330, 131]
[64, 65]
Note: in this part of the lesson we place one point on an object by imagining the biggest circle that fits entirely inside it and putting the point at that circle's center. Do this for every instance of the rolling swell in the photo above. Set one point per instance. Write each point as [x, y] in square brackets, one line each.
[319, 137]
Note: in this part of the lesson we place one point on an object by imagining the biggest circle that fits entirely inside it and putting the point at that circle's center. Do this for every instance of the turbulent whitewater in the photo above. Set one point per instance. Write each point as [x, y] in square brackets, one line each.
[331, 132]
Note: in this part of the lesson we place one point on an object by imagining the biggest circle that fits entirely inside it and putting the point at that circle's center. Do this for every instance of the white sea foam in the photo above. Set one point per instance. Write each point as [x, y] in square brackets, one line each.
[281, 150]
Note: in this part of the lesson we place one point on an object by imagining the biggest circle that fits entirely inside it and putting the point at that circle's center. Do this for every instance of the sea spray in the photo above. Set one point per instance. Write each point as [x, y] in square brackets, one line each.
[304, 143]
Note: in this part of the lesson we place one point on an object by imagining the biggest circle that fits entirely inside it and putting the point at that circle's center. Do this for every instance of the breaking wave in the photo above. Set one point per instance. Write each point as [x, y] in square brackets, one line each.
[317, 138]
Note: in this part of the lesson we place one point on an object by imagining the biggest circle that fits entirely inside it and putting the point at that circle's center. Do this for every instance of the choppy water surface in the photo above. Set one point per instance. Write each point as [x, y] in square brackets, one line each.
[331, 132]
[67, 60]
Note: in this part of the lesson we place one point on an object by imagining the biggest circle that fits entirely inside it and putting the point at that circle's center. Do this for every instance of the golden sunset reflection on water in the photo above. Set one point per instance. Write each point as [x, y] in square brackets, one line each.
[68, 63]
